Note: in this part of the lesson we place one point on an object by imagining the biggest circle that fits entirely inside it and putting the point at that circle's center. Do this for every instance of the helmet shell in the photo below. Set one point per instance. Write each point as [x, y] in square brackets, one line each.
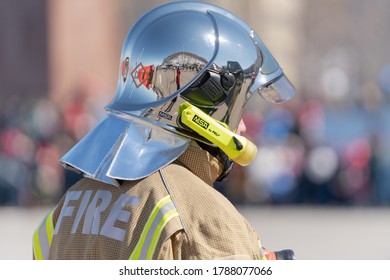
[191, 51]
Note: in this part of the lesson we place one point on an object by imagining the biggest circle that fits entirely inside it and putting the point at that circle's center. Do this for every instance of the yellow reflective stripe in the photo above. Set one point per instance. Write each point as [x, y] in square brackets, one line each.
[262, 255]
[137, 250]
[154, 223]
[50, 227]
[166, 218]
[43, 237]
[37, 247]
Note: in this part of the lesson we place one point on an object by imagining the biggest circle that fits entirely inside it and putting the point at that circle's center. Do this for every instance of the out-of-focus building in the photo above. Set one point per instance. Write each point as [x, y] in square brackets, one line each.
[23, 50]
[84, 41]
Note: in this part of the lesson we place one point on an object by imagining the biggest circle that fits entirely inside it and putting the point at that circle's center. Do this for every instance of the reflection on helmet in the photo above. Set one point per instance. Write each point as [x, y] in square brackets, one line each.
[195, 52]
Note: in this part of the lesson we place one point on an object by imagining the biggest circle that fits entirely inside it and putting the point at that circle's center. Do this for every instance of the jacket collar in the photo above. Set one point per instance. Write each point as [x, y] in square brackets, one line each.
[201, 163]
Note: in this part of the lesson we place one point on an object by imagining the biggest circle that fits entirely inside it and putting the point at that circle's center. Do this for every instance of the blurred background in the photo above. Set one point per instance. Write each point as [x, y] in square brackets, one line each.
[323, 157]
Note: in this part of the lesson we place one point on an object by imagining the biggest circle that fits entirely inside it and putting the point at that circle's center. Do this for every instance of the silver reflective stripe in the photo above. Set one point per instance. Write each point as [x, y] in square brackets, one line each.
[153, 229]
[43, 237]
[162, 213]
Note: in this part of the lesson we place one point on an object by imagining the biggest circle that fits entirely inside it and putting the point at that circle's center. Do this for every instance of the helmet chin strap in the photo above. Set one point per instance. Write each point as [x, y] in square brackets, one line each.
[221, 156]
[227, 166]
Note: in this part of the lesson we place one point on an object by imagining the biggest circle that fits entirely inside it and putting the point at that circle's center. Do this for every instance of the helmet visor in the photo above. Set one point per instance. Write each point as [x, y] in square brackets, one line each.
[279, 91]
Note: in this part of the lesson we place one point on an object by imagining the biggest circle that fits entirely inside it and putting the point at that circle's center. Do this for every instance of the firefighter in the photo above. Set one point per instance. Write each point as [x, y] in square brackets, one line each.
[149, 165]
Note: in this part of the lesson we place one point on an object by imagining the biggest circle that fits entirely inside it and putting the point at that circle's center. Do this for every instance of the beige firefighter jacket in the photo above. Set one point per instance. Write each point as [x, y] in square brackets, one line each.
[174, 214]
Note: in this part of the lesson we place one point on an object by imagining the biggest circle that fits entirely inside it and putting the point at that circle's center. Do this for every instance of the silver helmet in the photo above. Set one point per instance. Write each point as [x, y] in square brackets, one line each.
[179, 52]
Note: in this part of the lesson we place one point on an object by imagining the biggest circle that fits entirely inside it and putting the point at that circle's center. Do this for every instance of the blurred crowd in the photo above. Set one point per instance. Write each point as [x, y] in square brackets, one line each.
[317, 153]
[34, 134]
[309, 153]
